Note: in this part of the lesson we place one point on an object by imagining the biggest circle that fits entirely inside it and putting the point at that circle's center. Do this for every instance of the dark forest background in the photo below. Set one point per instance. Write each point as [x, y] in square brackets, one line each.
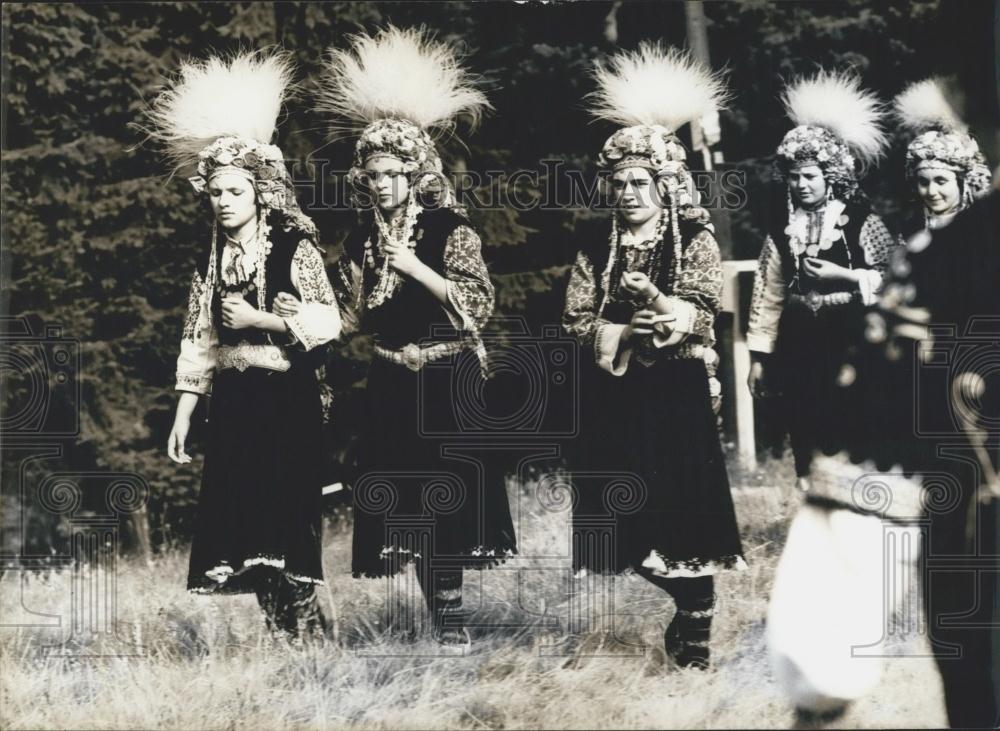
[97, 241]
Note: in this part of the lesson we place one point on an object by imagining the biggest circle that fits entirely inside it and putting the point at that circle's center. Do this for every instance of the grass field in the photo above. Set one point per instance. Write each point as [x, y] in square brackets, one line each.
[178, 661]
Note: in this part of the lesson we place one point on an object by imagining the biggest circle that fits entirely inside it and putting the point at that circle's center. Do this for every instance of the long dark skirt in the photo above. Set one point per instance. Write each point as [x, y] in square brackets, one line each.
[260, 503]
[809, 355]
[410, 499]
[650, 484]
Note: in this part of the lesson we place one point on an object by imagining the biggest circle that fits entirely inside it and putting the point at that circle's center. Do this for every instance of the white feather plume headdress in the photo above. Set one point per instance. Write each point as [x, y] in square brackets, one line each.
[653, 92]
[219, 116]
[922, 106]
[836, 102]
[239, 96]
[838, 126]
[404, 89]
[942, 139]
[402, 74]
[655, 86]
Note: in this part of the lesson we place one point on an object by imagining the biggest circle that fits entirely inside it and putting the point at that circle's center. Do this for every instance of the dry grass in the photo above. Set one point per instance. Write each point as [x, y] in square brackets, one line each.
[178, 661]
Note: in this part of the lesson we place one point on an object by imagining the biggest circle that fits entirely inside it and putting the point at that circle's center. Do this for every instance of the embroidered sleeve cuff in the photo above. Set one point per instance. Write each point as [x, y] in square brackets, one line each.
[684, 323]
[194, 383]
[760, 342]
[685, 315]
[314, 324]
[608, 349]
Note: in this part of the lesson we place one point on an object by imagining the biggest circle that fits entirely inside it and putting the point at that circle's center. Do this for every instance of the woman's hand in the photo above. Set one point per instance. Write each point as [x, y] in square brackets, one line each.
[182, 424]
[286, 305]
[175, 443]
[402, 258]
[820, 269]
[643, 322]
[757, 380]
[638, 285]
[238, 314]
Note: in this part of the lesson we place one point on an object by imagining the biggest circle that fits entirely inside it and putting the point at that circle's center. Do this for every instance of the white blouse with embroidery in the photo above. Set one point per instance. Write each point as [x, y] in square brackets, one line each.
[317, 321]
[770, 287]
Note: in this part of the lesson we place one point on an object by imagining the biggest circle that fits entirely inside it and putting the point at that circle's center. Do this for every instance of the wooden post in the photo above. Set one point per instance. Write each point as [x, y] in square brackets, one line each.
[745, 440]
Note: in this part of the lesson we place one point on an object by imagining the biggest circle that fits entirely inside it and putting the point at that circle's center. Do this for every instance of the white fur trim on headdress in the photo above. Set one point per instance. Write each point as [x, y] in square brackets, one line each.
[922, 106]
[239, 96]
[836, 102]
[655, 86]
[399, 74]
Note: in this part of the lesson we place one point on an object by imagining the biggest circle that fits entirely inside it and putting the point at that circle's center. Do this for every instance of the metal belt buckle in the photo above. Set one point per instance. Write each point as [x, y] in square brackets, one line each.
[238, 360]
[814, 300]
[412, 357]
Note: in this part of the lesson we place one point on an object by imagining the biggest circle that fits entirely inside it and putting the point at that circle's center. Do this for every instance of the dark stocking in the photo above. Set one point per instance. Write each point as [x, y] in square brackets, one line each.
[688, 634]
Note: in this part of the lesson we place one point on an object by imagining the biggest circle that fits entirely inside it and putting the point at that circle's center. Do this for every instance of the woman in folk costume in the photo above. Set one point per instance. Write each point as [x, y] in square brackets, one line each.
[258, 527]
[822, 261]
[944, 167]
[642, 306]
[412, 275]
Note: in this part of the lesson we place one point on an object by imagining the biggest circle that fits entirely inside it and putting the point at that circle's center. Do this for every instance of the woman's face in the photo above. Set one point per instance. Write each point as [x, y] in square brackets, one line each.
[807, 185]
[938, 189]
[389, 186]
[233, 199]
[635, 195]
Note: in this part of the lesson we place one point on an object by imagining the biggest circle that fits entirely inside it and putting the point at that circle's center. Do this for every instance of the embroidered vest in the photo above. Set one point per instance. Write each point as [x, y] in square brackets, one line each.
[845, 251]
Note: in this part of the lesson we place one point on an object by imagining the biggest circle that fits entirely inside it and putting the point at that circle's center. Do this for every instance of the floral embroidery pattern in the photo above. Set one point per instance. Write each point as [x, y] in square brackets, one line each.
[314, 286]
[700, 284]
[469, 282]
[194, 306]
[579, 318]
[877, 243]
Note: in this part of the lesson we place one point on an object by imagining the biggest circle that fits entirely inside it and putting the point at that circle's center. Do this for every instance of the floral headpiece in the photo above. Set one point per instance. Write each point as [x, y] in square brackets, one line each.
[403, 87]
[837, 128]
[942, 139]
[653, 147]
[808, 145]
[403, 141]
[262, 164]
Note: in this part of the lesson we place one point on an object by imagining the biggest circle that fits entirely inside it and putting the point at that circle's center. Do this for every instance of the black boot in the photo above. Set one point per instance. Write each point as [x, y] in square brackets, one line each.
[288, 604]
[304, 610]
[444, 600]
[689, 633]
[687, 638]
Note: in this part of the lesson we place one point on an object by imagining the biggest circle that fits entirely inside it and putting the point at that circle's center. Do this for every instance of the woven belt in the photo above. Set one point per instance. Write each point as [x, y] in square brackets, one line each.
[414, 356]
[814, 300]
[245, 355]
